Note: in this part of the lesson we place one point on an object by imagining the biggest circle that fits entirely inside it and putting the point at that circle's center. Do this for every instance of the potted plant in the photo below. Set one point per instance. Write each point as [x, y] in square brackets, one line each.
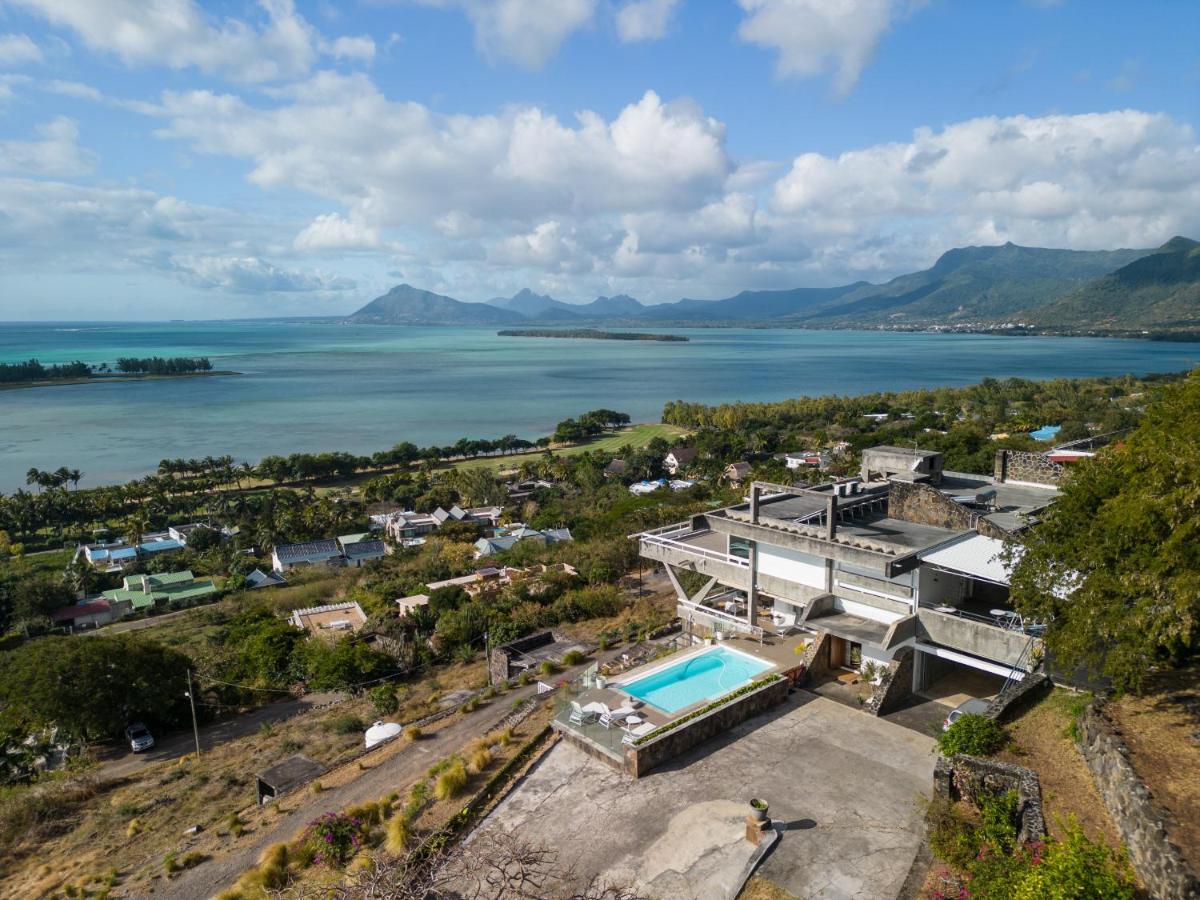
[758, 809]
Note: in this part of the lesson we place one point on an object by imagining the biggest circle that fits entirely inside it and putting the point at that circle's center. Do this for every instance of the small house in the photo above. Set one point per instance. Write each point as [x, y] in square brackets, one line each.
[286, 557]
[678, 459]
[615, 469]
[260, 579]
[332, 618]
[736, 473]
[143, 592]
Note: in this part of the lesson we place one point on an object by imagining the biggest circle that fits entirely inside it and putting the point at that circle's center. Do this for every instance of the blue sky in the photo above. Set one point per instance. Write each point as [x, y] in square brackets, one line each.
[179, 159]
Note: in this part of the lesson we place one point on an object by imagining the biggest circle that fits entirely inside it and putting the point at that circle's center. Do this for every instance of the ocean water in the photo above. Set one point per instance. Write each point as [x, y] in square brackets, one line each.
[311, 387]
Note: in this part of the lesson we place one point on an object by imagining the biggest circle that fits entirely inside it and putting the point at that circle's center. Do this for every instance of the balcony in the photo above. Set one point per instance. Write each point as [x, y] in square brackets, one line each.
[699, 550]
[1003, 639]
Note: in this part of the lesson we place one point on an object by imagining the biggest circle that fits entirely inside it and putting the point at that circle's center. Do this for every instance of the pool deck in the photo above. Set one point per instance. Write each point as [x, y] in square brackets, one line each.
[779, 652]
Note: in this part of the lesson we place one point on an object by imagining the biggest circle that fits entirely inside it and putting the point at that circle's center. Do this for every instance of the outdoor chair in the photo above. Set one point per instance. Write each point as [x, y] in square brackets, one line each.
[633, 734]
[616, 716]
[579, 715]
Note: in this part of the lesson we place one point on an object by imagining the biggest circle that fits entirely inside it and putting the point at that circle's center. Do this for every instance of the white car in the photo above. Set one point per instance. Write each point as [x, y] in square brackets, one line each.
[139, 737]
[967, 707]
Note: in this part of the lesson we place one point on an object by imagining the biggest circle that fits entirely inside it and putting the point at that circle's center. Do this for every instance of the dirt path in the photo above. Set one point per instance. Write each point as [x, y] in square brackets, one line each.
[123, 762]
[392, 774]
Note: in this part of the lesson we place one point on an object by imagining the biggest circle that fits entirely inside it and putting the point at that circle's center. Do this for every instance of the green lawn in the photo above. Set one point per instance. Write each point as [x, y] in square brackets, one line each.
[634, 436]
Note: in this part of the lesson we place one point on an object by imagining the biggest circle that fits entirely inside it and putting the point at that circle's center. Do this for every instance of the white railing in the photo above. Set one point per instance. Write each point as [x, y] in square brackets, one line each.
[654, 540]
[724, 618]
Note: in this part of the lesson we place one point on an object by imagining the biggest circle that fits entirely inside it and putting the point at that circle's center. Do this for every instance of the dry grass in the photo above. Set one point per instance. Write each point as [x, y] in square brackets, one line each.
[758, 888]
[1042, 741]
[1162, 730]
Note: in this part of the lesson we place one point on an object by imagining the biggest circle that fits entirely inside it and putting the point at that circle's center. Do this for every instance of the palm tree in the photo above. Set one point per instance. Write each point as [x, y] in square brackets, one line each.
[35, 476]
[75, 476]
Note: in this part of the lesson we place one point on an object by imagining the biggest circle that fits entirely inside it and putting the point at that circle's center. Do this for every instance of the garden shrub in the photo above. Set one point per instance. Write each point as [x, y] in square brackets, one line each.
[952, 838]
[336, 837]
[479, 760]
[399, 832]
[385, 699]
[572, 658]
[999, 815]
[451, 782]
[347, 723]
[972, 735]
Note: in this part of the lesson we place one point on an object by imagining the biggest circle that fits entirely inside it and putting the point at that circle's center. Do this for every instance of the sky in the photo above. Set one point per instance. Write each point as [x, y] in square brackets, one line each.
[179, 159]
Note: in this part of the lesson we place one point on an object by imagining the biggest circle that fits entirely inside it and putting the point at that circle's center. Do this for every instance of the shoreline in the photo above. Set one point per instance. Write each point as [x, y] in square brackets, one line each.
[593, 334]
[101, 379]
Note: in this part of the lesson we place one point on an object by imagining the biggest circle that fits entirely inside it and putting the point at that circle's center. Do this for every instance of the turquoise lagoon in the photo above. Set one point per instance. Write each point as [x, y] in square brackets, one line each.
[312, 386]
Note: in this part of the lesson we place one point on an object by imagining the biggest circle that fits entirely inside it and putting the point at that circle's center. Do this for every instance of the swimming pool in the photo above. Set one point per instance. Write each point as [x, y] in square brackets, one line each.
[704, 676]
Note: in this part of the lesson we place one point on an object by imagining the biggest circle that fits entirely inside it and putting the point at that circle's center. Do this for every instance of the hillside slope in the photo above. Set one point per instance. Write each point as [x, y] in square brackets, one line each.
[407, 305]
[1158, 290]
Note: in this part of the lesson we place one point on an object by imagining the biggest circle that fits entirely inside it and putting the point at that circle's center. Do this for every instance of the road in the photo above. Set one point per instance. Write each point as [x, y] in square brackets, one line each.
[394, 773]
[121, 762]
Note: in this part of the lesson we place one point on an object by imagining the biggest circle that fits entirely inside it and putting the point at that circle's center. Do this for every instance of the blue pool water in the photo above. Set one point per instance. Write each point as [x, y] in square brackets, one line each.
[703, 677]
[1046, 433]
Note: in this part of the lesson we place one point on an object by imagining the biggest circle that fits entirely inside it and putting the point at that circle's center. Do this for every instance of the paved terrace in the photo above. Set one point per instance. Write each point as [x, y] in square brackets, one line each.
[844, 787]
[780, 652]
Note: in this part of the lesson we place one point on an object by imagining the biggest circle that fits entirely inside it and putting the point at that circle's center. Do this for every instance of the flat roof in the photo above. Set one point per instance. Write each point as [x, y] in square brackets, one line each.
[1010, 496]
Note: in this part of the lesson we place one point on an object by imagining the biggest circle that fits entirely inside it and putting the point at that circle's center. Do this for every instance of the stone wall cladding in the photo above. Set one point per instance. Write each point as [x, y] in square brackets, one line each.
[969, 777]
[895, 686]
[499, 662]
[641, 759]
[1021, 465]
[1139, 819]
[815, 659]
[1018, 695]
[925, 505]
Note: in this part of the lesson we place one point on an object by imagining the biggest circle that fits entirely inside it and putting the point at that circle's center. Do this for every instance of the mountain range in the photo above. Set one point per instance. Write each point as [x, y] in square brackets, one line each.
[968, 287]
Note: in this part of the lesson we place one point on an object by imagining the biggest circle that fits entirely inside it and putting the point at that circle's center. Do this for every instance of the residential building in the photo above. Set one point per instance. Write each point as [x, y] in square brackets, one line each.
[88, 613]
[505, 539]
[286, 557]
[145, 592]
[678, 459]
[114, 556]
[360, 548]
[615, 469]
[347, 550]
[806, 459]
[260, 579]
[893, 570]
[523, 490]
[406, 526]
[736, 473]
[333, 618]
[408, 604]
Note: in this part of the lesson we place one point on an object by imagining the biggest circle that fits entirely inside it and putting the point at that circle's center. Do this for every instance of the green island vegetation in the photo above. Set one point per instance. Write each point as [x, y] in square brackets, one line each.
[1123, 527]
[592, 334]
[32, 373]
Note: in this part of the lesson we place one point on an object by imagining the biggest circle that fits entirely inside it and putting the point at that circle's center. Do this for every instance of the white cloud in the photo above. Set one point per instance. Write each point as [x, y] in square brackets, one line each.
[179, 34]
[253, 275]
[399, 163]
[1124, 178]
[73, 89]
[644, 20]
[527, 32]
[56, 153]
[333, 232]
[814, 37]
[361, 48]
[18, 49]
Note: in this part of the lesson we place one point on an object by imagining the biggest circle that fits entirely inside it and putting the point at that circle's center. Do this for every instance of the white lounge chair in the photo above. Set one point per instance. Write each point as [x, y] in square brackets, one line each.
[632, 734]
[580, 714]
[614, 717]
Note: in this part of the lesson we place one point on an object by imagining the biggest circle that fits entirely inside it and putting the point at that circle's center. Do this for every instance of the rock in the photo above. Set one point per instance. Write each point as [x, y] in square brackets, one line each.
[193, 831]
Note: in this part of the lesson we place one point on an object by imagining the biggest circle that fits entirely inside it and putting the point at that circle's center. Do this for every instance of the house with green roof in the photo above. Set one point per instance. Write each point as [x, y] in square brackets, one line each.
[165, 589]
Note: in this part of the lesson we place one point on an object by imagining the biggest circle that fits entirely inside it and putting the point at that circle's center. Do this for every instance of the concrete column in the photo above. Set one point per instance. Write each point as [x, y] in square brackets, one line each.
[752, 591]
[831, 508]
[754, 495]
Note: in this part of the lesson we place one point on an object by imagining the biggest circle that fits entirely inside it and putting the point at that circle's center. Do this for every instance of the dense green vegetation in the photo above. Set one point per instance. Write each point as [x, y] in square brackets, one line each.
[591, 333]
[32, 370]
[1114, 566]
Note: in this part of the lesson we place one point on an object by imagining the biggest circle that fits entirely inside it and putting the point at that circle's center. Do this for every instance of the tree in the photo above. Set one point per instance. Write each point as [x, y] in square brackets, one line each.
[92, 687]
[1114, 566]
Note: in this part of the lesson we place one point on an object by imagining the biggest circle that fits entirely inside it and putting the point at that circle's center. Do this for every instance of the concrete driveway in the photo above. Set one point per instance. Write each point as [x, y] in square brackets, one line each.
[845, 787]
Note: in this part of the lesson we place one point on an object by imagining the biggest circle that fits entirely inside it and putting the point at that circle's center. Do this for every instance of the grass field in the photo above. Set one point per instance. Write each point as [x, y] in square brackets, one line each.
[634, 436]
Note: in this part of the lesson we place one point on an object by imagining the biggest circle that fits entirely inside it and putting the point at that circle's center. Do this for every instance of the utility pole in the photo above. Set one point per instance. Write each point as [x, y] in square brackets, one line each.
[191, 695]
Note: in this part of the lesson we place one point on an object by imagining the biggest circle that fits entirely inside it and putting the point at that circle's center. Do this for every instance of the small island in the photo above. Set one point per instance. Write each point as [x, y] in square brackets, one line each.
[32, 373]
[591, 334]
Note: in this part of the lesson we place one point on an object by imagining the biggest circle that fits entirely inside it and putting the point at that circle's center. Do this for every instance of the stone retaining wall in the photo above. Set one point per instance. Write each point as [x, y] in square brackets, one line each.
[1017, 696]
[642, 758]
[970, 777]
[895, 686]
[925, 505]
[814, 661]
[1139, 819]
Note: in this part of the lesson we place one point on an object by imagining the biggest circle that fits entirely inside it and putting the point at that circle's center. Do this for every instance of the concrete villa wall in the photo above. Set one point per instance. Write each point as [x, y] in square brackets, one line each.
[641, 759]
[976, 638]
[971, 776]
[1020, 465]
[1138, 818]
